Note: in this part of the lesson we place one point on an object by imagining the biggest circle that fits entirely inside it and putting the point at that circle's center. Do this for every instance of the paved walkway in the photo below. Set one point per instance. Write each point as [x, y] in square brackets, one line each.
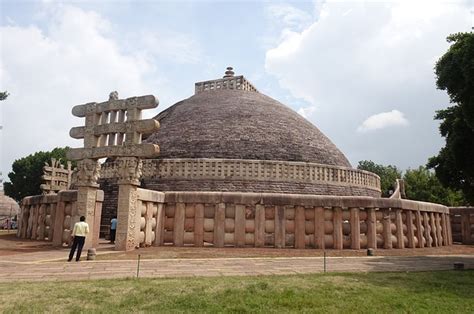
[15, 270]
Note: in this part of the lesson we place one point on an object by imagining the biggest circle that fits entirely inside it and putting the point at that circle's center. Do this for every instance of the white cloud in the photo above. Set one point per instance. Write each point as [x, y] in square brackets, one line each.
[177, 47]
[290, 16]
[47, 71]
[356, 58]
[383, 120]
[307, 112]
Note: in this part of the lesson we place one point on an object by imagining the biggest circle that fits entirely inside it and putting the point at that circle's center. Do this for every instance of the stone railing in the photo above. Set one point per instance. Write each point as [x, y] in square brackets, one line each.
[51, 217]
[299, 221]
[233, 82]
[462, 224]
[251, 170]
[150, 204]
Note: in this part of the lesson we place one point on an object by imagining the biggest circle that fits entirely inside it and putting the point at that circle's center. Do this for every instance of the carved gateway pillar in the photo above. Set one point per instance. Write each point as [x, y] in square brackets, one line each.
[128, 213]
[87, 175]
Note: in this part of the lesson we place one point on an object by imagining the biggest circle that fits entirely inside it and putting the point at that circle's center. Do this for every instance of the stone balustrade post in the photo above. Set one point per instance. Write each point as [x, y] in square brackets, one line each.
[410, 231]
[427, 227]
[419, 231]
[337, 232]
[399, 226]
[319, 228]
[355, 228]
[387, 232]
[371, 229]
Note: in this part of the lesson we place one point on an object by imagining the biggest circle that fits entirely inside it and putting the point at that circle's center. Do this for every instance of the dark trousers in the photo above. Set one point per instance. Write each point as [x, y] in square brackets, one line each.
[112, 235]
[78, 243]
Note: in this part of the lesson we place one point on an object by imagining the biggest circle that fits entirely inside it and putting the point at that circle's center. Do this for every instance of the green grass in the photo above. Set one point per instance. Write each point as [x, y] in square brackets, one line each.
[424, 292]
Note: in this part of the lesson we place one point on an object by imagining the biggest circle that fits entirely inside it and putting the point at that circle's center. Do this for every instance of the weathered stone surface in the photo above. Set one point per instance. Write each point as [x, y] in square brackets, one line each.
[237, 124]
[141, 102]
[138, 150]
[106, 132]
[141, 126]
[55, 177]
[88, 172]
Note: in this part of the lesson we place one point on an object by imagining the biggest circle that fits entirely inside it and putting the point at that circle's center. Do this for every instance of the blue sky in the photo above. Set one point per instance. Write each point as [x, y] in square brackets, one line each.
[360, 71]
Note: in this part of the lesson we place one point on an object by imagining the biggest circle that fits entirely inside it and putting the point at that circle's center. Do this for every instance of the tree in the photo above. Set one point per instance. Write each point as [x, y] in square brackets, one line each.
[422, 185]
[454, 165]
[25, 178]
[388, 174]
[3, 95]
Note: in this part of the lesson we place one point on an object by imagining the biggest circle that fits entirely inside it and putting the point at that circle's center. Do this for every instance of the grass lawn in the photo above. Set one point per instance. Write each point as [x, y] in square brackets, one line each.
[443, 291]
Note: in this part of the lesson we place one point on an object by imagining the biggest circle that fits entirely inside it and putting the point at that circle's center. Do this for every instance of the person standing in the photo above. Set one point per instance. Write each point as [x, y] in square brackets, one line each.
[113, 229]
[79, 233]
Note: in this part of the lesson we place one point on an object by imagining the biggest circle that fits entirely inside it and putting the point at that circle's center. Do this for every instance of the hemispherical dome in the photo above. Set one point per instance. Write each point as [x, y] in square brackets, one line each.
[238, 124]
[8, 206]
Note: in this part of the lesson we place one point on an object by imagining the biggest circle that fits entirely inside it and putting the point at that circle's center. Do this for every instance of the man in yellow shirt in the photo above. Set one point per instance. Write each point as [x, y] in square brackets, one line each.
[81, 229]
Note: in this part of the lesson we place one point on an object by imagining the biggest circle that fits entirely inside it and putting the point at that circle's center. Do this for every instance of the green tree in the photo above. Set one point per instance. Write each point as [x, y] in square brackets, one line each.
[454, 165]
[388, 174]
[3, 95]
[422, 185]
[25, 178]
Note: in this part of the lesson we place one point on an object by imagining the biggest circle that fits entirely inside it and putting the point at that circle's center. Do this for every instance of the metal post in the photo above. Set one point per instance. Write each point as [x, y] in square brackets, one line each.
[324, 261]
[138, 265]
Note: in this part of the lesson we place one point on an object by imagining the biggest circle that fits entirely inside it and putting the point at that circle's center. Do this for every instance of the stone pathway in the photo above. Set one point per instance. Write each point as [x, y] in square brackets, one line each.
[15, 270]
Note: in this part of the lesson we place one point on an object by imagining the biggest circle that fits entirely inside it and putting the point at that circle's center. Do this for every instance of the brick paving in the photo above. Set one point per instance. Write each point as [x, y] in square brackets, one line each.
[62, 270]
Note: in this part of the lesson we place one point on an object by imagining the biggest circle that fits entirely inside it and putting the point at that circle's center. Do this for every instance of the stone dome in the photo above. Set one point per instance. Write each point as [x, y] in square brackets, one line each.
[228, 137]
[239, 124]
[8, 206]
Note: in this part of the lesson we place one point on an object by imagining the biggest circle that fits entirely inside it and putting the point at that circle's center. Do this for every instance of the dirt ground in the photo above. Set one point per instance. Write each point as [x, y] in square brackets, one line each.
[11, 245]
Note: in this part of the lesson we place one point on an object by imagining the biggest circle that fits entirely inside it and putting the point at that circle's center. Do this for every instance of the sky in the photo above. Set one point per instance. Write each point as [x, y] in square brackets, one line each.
[362, 72]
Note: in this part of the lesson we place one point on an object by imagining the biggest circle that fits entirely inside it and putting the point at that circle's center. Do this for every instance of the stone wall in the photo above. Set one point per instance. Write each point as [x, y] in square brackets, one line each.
[462, 224]
[296, 221]
[253, 220]
[51, 217]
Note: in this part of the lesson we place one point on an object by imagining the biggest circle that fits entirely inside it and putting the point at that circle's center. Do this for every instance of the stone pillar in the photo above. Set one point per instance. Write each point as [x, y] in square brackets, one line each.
[199, 225]
[399, 224]
[337, 232]
[279, 226]
[219, 225]
[178, 226]
[88, 173]
[410, 231]
[128, 214]
[319, 228]
[419, 232]
[387, 232]
[444, 229]
[355, 228]
[434, 234]
[465, 227]
[239, 225]
[439, 234]
[299, 227]
[160, 226]
[427, 227]
[449, 228]
[371, 229]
